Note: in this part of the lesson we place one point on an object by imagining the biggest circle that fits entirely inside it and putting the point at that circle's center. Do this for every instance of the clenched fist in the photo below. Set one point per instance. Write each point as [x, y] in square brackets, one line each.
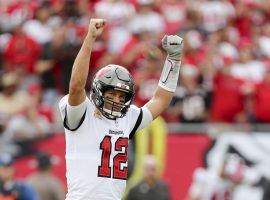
[173, 45]
[96, 27]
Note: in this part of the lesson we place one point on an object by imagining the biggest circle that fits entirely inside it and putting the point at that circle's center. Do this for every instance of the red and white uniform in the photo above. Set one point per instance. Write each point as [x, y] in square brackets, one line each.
[208, 185]
[96, 153]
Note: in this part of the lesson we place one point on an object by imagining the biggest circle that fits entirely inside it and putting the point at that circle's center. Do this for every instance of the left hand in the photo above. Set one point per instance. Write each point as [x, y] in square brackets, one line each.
[173, 45]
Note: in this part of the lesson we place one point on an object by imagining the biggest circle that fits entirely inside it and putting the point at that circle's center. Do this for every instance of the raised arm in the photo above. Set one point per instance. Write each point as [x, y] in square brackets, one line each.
[173, 45]
[80, 67]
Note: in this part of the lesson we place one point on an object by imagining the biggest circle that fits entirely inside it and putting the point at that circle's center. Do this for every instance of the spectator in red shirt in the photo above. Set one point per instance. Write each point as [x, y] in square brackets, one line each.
[228, 99]
[22, 52]
[261, 100]
[243, 19]
[146, 75]
[137, 48]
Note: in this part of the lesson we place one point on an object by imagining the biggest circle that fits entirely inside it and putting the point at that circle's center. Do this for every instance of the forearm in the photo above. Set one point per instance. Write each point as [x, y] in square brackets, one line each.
[159, 102]
[166, 88]
[80, 68]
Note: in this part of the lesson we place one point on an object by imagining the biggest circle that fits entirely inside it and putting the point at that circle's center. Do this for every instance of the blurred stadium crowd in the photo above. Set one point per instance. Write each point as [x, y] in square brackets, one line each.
[225, 75]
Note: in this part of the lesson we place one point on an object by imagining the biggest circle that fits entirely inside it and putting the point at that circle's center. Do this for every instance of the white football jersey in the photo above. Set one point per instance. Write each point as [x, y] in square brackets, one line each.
[96, 154]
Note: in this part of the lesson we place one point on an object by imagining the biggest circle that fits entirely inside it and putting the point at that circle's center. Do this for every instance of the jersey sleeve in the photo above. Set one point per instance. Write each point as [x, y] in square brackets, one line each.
[142, 116]
[62, 106]
[73, 116]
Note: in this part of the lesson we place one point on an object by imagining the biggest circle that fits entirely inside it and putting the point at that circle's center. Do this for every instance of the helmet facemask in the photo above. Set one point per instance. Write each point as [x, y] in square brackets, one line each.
[117, 109]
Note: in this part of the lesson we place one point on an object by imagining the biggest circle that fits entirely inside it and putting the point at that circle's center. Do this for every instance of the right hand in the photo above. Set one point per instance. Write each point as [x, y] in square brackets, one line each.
[96, 27]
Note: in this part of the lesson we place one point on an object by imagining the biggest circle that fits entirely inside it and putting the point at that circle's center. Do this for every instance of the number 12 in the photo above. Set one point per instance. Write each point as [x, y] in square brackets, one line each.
[104, 170]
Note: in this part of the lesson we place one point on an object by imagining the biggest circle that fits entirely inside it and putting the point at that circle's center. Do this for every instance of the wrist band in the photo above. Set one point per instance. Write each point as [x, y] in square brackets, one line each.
[169, 75]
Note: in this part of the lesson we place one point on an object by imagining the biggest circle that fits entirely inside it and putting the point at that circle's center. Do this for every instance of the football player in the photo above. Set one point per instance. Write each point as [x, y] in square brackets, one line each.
[98, 128]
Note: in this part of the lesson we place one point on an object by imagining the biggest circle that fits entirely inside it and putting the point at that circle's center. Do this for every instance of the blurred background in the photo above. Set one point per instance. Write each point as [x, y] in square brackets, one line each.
[212, 143]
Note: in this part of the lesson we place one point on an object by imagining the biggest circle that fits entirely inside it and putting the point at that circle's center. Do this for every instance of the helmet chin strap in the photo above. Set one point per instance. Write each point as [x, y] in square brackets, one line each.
[112, 113]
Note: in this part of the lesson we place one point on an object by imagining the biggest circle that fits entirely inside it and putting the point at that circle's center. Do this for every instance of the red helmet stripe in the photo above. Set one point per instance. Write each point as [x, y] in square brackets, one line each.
[102, 72]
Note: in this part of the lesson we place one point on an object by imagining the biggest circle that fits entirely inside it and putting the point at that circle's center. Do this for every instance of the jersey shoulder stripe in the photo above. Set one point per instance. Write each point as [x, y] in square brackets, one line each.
[137, 124]
[63, 103]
